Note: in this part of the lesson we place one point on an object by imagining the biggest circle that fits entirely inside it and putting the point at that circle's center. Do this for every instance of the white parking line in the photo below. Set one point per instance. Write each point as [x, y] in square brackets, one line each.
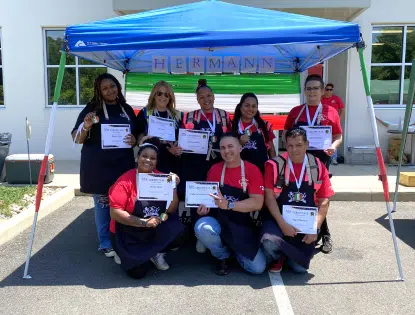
[280, 294]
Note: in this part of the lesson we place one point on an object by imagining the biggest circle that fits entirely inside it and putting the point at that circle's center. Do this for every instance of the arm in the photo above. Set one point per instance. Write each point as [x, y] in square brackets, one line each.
[271, 152]
[341, 113]
[323, 207]
[126, 218]
[83, 134]
[337, 141]
[253, 203]
[174, 204]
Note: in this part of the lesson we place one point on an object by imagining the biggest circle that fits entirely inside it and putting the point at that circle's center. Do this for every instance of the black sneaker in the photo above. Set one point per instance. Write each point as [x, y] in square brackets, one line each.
[109, 252]
[221, 267]
[327, 246]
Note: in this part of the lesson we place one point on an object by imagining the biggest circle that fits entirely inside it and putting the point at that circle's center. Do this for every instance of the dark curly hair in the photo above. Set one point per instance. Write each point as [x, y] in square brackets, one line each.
[202, 83]
[238, 114]
[96, 101]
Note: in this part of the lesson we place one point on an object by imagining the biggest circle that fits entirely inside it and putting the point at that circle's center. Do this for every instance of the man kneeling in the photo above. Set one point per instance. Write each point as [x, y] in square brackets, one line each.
[230, 227]
[294, 178]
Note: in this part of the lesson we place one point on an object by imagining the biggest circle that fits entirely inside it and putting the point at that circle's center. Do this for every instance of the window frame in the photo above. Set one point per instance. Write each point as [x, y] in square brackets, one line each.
[2, 69]
[402, 64]
[77, 66]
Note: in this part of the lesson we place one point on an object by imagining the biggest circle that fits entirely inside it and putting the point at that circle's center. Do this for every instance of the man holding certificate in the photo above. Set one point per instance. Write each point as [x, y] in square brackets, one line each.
[324, 132]
[228, 227]
[297, 192]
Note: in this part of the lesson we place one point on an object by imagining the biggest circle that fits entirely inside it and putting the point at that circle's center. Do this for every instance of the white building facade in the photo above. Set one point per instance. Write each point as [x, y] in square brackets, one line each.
[28, 63]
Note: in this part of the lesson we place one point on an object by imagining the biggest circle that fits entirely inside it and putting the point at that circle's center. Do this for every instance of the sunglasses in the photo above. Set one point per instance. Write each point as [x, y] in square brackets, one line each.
[165, 94]
[329, 89]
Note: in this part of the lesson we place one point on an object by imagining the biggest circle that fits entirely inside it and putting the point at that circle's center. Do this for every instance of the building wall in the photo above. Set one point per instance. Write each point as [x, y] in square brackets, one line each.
[21, 25]
[358, 123]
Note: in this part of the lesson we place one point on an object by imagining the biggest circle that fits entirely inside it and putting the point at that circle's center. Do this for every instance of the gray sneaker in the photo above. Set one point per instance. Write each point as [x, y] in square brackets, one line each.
[159, 262]
[334, 162]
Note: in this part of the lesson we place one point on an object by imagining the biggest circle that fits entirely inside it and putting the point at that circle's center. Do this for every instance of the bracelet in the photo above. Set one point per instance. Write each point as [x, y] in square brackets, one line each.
[83, 128]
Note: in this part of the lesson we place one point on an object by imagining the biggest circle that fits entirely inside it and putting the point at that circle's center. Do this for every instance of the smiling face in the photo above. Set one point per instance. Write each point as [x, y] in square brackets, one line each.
[296, 148]
[230, 149]
[109, 91]
[328, 91]
[249, 108]
[147, 161]
[313, 92]
[206, 99]
[162, 97]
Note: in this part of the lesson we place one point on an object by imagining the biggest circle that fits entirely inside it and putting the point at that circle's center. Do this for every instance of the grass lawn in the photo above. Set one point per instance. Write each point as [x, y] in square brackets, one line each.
[13, 195]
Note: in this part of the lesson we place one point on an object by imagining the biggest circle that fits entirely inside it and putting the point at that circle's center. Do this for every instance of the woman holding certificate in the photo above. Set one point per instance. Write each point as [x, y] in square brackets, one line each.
[256, 136]
[208, 123]
[324, 132]
[160, 119]
[142, 228]
[228, 228]
[107, 129]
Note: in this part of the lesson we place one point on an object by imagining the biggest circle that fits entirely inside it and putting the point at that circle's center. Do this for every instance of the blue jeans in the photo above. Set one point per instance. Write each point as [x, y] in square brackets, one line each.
[272, 253]
[334, 156]
[102, 220]
[208, 230]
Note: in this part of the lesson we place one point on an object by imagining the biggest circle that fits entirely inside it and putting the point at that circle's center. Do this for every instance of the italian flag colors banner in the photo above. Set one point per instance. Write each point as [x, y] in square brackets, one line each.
[277, 93]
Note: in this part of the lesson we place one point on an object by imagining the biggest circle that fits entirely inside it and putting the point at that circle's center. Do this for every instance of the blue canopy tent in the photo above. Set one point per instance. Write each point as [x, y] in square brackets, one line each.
[212, 36]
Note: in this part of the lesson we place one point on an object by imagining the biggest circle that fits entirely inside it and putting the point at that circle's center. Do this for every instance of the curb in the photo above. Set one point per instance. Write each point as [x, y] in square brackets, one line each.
[10, 228]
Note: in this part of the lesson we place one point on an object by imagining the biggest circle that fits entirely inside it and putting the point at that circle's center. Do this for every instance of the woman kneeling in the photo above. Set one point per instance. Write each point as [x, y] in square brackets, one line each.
[142, 229]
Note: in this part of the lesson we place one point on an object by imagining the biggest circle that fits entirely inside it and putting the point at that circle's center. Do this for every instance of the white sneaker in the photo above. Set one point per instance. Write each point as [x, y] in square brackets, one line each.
[117, 259]
[200, 248]
[159, 262]
[334, 162]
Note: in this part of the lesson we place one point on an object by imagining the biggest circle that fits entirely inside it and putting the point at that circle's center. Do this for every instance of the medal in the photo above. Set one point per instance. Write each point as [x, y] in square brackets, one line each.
[164, 217]
[95, 119]
[298, 197]
[247, 132]
[213, 139]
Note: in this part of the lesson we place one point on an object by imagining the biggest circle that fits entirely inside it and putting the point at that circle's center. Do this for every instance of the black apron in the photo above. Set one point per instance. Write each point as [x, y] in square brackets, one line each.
[101, 168]
[136, 245]
[194, 167]
[293, 247]
[255, 150]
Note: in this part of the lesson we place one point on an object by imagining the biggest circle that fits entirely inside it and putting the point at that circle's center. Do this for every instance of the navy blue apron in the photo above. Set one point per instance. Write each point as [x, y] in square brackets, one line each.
[293, 247]
[136, 245]
[237, 228]
[255, 150]
[194, 167]
[101, 168]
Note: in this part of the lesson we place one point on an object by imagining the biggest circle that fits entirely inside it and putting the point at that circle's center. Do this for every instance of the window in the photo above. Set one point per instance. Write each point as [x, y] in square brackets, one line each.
[79, 77]
[393, 49]
[1, 77]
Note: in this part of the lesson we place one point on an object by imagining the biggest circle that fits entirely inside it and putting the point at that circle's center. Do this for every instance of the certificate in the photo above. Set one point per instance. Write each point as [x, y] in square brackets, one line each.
[197, 193]
[154, 187]
[112, 136]
[162, 128]
[194, 141]
[302, 218]
[319, 137]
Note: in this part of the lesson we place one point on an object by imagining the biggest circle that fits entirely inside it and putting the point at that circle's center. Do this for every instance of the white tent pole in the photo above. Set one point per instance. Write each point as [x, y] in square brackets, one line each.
[382, 169]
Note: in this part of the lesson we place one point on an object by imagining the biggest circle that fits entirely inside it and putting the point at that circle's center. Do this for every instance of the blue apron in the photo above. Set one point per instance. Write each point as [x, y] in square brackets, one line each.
[101, 168]
[136, 245]
[293, 247]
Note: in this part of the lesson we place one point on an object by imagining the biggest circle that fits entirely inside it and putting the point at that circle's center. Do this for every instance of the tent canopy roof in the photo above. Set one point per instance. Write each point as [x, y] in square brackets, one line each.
[211, 28]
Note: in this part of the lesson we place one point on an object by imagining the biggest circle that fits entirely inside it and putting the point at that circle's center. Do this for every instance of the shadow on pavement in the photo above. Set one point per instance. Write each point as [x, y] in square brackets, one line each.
[404, 229]
[71, 258]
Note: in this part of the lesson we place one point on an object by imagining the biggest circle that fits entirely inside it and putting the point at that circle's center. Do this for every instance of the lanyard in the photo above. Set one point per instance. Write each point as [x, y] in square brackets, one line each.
[156, 113]
[211, 126]
[104, 107]
[300, 179]
[222, 177]
[241, 127]
[312, 123]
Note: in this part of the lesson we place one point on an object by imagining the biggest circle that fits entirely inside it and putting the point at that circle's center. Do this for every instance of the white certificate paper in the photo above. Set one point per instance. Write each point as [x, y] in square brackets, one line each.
[319, 137]
[154, 187]
[162, 128]
[112, 136]
[197, 193]
[194, 141]
[303, 218]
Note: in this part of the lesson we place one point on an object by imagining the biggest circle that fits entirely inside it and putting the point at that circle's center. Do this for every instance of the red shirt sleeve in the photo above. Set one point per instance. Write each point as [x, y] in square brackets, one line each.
[289, 123]
[339, 102]
[270, 132]
[121, 192]
[269, 176]
[337, 127]
[255, 179]
[326, 189]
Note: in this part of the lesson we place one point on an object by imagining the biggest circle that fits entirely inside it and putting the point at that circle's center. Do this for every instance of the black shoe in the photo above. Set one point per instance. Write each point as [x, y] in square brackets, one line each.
[109, 252]
[221, 267]
[327, 246]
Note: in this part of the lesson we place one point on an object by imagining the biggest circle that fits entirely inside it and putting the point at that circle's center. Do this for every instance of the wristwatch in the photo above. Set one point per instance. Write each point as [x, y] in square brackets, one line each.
[231, 205]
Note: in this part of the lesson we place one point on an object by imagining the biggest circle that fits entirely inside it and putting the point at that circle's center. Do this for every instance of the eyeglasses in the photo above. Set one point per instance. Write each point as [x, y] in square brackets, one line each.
[329, 89]
[165, 94]
[315, 88]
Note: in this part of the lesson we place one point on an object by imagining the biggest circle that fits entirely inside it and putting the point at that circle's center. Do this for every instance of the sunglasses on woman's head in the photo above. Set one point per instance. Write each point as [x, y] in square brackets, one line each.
[161, 93]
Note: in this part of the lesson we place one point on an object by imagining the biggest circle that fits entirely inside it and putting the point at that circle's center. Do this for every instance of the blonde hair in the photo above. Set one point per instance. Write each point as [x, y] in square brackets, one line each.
[152, 98]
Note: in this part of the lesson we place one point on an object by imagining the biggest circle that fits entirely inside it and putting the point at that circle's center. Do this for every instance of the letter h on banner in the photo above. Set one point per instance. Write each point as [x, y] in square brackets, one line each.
[159, 64]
